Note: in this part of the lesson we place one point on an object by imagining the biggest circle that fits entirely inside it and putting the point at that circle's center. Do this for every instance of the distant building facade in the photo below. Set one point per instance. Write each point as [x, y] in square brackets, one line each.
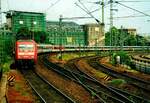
[71, 34]
[94, 34]
[131, 31]
[32, 20]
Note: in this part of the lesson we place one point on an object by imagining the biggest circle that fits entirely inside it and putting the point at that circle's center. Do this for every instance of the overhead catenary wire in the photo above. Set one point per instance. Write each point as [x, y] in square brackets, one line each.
[131, 16]
[53, 4]
[132, 8]
[94, 10]
[134, 1]
[87, 12]
[98, 8]
[71, 18]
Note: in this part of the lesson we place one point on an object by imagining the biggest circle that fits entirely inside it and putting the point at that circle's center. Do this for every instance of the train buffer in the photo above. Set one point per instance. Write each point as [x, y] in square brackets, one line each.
[11, 80]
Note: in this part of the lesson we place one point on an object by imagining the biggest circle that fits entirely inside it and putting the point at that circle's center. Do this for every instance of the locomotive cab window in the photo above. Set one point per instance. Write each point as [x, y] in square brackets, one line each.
[26, 47]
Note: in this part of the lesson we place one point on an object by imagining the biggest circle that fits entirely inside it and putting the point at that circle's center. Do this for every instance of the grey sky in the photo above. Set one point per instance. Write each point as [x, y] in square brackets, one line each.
[68, 9]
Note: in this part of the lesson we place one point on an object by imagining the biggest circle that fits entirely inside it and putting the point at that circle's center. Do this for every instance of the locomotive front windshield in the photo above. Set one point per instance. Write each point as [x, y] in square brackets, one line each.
[26, 47]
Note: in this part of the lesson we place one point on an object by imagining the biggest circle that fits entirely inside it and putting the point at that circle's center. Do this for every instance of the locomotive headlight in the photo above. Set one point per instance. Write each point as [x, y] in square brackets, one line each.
[30, 53]
[21, 53]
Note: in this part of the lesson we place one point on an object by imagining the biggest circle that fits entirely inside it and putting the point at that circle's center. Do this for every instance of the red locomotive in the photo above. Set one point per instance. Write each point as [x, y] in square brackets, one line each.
[25, 52]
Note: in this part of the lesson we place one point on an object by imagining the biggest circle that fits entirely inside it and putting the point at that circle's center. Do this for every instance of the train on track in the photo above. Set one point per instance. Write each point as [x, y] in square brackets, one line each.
[25, 53]
[42, 48]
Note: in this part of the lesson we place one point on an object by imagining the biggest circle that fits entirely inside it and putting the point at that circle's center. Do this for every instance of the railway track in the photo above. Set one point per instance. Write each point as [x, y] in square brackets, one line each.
[68, 75]
[144, 58]
[47, 92]
[141, 62]
[137, 82]
[134, 98]
[91, 85]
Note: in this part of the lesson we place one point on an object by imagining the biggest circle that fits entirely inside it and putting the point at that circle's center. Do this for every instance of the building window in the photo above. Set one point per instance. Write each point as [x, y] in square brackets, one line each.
[20, 22]
[34, 22]
[96, 29]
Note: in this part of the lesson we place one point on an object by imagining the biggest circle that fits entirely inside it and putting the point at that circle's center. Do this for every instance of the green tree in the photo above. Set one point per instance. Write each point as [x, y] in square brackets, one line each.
[132, 40]
[40, 37]
[123, 38]
[124, 57]
[23, 33]
[112, 38]
[141, 41]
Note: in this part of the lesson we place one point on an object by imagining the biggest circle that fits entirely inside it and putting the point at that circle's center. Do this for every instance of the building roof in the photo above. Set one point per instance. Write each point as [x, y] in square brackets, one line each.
[64, 23]
[14, 13]
[92, 25]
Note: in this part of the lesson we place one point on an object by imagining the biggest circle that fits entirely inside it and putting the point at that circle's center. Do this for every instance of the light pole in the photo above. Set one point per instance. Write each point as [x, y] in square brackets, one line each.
[121, 38]
[34, 23]
[60, 37]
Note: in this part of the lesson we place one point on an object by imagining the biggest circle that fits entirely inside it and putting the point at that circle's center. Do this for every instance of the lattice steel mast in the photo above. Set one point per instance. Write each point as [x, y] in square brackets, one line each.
[111, 20]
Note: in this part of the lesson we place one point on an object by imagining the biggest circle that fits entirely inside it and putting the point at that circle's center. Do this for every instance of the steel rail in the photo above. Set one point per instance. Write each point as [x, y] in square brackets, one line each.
[66, 72]
[144, 86]
[45, 95]
[77, 69]
[32, 86]
[95, 63]
[97, 89]
[134, 97]
[129, 76]
[68, 75]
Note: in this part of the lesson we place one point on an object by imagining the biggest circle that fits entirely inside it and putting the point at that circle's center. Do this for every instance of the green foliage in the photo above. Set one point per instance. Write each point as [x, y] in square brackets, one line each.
[113, 37]
[132, 40]
[40, 37]
[141, 41]
[5, 67]
[107, 39]
[124, 58]
[7, 45]
[113, 59]
[117, 82]
[25, 33]
[122, 38]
